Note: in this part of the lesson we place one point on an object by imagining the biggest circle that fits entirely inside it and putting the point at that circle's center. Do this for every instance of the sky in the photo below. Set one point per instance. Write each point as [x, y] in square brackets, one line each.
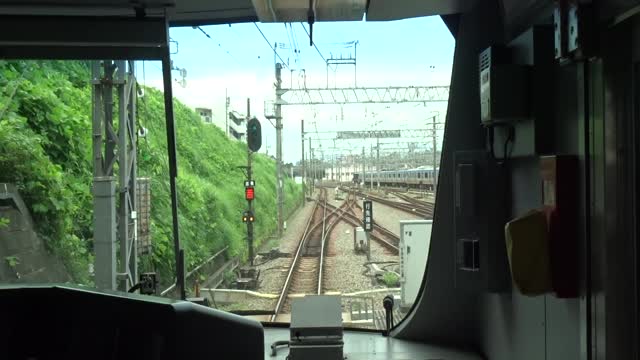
[236, 60]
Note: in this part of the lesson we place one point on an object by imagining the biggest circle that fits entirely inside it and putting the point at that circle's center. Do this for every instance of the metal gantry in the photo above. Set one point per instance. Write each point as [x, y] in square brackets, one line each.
[362, 95]
[338, 96]
[368, 134]
[114, 144]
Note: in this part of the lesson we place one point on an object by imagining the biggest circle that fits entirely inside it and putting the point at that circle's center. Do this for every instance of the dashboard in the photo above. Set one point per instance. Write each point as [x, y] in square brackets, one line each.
[70, 322]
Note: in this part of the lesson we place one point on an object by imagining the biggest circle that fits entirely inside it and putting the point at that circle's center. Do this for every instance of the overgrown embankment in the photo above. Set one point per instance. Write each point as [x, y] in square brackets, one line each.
[45, 149]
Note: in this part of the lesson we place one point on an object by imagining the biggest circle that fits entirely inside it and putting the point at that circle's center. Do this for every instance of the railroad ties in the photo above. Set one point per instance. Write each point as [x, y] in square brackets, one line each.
[307, 269]
[409, 205]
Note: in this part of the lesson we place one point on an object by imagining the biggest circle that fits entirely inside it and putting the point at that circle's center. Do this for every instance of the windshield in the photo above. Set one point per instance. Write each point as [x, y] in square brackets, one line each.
[357, 120]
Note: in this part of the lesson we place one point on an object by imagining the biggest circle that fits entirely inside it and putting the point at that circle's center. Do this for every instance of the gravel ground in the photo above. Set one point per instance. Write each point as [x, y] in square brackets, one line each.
[344, 271]
[295, 228]
[251, 304]
[389, 218]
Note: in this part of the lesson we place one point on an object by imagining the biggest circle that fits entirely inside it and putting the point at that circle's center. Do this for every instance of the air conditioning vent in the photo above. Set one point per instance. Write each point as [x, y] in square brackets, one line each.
[485, 59]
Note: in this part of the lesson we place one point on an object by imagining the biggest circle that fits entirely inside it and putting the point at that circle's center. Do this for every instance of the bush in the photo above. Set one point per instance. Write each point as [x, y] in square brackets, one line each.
[391, 279]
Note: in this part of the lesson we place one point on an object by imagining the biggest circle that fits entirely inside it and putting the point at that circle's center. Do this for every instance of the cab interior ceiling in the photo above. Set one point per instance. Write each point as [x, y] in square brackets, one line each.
[203, 12]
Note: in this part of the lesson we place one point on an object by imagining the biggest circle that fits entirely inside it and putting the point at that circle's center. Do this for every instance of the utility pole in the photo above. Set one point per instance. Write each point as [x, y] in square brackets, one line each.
[280, 195]
[310, 171]
[226, 113]
[304, 170]
[321, 167]
[435, 159]
[364, 178]
[250, 178]
[313, 167]
[378, 159]
[333, 162]
[371, 167]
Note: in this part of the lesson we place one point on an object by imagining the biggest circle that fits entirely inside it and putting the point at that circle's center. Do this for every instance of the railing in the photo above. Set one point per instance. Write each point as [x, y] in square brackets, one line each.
[195, 270]
[369, 307]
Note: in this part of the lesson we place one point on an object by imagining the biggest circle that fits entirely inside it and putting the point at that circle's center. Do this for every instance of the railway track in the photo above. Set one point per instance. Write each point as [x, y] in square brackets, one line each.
[306, 273]
[307, 270]
[423, 205]
[408, 207]
[384, 237]
[356, 209]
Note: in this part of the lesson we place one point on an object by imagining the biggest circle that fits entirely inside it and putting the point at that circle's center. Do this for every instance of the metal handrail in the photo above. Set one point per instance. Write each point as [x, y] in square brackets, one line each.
[173, 286]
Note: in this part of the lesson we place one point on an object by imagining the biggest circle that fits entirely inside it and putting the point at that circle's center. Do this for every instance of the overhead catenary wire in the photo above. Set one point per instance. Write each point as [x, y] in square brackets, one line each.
[271, 46]
[219, 45]
[314, 44]
[296, 46]
[291, 47]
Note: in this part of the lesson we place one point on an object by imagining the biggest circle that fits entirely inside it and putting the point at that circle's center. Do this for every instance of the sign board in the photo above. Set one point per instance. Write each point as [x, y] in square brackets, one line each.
[368, 134]
[367, 210]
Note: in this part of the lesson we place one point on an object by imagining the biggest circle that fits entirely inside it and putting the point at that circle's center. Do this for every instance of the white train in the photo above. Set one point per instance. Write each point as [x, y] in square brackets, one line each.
[422, 178]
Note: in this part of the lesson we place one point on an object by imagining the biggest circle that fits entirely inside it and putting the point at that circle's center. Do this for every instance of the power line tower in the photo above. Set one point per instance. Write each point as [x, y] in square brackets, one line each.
[350, 59]
[114, 144]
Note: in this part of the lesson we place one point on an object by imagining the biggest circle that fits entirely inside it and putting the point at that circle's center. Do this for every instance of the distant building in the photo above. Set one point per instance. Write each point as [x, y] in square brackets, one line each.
[237, 126]
[235, 123]
[205, 114]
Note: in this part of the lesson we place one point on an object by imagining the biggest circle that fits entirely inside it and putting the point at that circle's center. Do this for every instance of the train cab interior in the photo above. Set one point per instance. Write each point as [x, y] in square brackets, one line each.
[534, 247]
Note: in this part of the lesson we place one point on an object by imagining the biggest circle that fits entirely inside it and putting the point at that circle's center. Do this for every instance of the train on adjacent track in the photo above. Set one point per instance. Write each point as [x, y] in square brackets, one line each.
[420, 178]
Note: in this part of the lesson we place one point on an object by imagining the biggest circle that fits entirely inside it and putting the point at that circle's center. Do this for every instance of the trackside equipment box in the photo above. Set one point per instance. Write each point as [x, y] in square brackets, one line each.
[415, 236]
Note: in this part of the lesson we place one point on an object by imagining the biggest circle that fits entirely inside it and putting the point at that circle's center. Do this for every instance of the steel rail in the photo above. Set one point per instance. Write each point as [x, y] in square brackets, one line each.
[424, 204]
[294, 263]
[376, 227]
[322, 242]
[408, 208]
[354, 221]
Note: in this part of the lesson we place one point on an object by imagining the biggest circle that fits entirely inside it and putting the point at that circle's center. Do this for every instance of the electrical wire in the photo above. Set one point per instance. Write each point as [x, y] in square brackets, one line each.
[271, 46]
[291, 48]
[506, 154]
[202, 30]
[314, 44]
[219, 45]
[296, 46]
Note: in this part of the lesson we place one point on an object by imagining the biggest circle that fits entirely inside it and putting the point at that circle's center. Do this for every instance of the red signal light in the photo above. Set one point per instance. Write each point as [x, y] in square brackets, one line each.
[249, 193]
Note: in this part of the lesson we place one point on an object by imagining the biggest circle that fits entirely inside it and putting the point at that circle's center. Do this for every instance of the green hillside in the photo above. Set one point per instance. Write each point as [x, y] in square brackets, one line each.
[45, 148]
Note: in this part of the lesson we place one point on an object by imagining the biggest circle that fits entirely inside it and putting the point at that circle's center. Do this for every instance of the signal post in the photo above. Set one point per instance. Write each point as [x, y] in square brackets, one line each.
[254, 142]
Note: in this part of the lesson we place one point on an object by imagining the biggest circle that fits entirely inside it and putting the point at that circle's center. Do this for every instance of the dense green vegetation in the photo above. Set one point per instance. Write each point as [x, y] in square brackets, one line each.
[45, 149]
[391, 279]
